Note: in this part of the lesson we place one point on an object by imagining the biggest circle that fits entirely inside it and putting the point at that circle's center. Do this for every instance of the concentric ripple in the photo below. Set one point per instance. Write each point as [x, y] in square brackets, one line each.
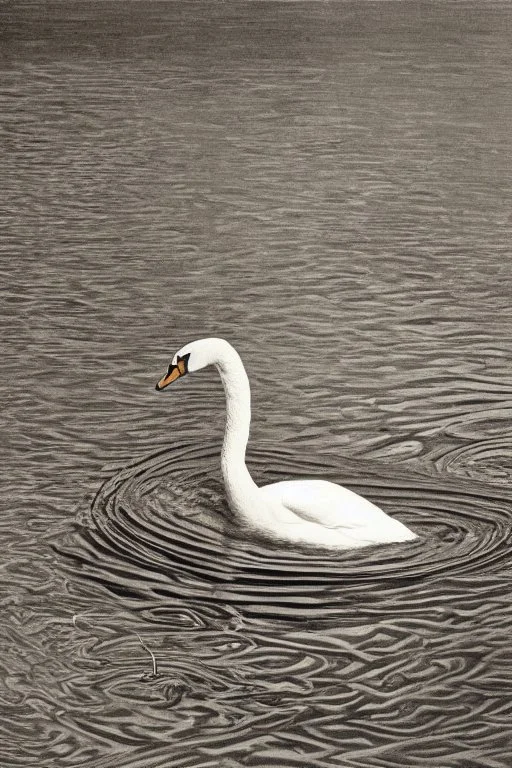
[161, 529]
[485, 461]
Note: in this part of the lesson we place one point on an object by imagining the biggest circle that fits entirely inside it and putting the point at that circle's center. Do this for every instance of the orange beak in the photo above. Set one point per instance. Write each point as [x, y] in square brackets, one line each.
[174, 372]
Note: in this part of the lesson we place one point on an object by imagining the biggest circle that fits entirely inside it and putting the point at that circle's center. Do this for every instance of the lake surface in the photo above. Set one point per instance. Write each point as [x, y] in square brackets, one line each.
[328, 186]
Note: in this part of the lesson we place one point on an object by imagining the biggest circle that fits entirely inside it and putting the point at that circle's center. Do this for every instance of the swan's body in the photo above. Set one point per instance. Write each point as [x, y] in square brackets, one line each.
[313, 512]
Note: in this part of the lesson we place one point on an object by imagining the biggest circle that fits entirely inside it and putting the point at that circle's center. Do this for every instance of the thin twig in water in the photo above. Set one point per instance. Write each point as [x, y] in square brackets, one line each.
[77, 616]
[155, 670]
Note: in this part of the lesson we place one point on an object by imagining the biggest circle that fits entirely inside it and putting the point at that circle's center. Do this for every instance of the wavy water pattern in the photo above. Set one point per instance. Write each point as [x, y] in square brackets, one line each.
[166, 517]
[315, 658]
[328, 185]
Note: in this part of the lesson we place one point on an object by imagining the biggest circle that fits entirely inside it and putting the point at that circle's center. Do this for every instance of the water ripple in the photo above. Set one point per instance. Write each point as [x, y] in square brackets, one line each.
[316, 182]
[161, 528]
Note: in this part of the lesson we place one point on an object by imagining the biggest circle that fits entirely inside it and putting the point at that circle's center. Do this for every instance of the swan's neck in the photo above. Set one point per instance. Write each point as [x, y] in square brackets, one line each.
[240, 487]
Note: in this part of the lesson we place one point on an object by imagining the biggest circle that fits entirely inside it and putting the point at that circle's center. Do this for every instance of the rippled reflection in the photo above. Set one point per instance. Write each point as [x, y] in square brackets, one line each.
[315, 650]
[161, 528]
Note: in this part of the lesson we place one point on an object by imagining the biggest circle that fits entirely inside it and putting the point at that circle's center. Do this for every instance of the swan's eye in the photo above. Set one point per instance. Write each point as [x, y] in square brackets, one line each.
[182, 363]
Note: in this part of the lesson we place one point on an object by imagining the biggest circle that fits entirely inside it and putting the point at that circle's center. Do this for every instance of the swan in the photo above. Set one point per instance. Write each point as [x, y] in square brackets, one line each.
[303, 512]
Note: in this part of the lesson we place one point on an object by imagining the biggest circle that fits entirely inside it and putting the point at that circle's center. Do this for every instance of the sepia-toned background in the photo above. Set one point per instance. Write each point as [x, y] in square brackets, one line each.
[328, 185]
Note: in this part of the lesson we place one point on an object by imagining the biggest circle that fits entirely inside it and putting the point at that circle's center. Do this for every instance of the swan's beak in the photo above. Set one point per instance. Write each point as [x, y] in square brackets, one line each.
[174, 372]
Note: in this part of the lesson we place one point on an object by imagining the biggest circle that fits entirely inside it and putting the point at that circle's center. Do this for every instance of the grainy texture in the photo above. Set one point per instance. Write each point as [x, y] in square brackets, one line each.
[329, 186]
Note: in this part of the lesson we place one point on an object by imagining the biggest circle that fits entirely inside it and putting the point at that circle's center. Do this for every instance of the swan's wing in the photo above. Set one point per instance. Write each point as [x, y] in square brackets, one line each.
[330, 505]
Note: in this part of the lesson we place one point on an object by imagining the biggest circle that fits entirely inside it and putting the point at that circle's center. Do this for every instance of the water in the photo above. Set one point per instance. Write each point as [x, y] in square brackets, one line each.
[328, 186]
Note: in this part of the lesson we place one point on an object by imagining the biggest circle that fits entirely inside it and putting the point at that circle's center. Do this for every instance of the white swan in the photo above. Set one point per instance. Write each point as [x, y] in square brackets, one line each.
[312, 512]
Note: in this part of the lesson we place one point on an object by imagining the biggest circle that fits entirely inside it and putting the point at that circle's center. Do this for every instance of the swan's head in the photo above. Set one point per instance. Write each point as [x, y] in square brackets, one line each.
[192, 357]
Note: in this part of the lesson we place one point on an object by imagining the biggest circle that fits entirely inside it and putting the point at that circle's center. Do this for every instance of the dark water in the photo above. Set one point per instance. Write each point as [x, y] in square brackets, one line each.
[329, 186]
